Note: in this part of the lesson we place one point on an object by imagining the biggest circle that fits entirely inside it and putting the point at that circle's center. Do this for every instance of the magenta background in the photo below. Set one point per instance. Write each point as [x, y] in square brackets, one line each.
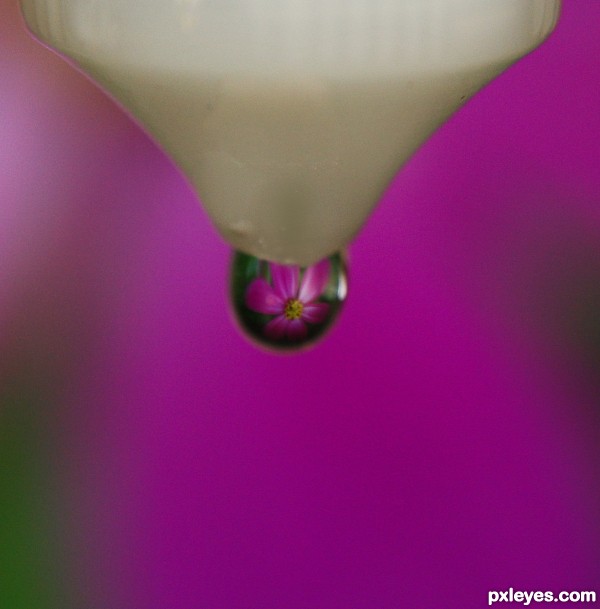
[442, 442]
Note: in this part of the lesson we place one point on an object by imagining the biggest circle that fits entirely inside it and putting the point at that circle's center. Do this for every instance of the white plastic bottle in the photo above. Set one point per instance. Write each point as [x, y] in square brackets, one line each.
[290, 117]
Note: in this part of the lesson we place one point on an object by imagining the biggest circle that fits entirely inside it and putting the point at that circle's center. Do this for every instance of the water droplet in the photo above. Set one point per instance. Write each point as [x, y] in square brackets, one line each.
[287, 307]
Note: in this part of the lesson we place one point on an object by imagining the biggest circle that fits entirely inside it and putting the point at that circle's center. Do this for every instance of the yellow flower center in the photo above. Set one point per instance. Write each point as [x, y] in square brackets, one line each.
[293, 309]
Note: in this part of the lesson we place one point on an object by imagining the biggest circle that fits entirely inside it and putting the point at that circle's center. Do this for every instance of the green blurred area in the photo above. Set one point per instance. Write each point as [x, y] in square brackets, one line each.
[32, 554]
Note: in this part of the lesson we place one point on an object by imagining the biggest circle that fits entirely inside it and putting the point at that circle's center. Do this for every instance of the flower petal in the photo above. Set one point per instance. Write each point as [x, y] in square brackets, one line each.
[315, 312]
[296, 329]
[261, 297]
[285, 280]
[277, 328]
[314, 281]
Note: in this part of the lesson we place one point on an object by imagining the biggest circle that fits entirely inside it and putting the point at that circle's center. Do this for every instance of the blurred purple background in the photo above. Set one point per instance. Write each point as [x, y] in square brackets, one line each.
[440, 443]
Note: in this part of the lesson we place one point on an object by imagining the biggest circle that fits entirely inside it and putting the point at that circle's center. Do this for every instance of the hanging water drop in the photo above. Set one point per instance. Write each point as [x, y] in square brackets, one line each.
[284, 306]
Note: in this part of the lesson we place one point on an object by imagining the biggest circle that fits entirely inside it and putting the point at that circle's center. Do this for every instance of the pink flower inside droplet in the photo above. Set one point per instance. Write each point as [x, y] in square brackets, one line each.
[291, 301]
